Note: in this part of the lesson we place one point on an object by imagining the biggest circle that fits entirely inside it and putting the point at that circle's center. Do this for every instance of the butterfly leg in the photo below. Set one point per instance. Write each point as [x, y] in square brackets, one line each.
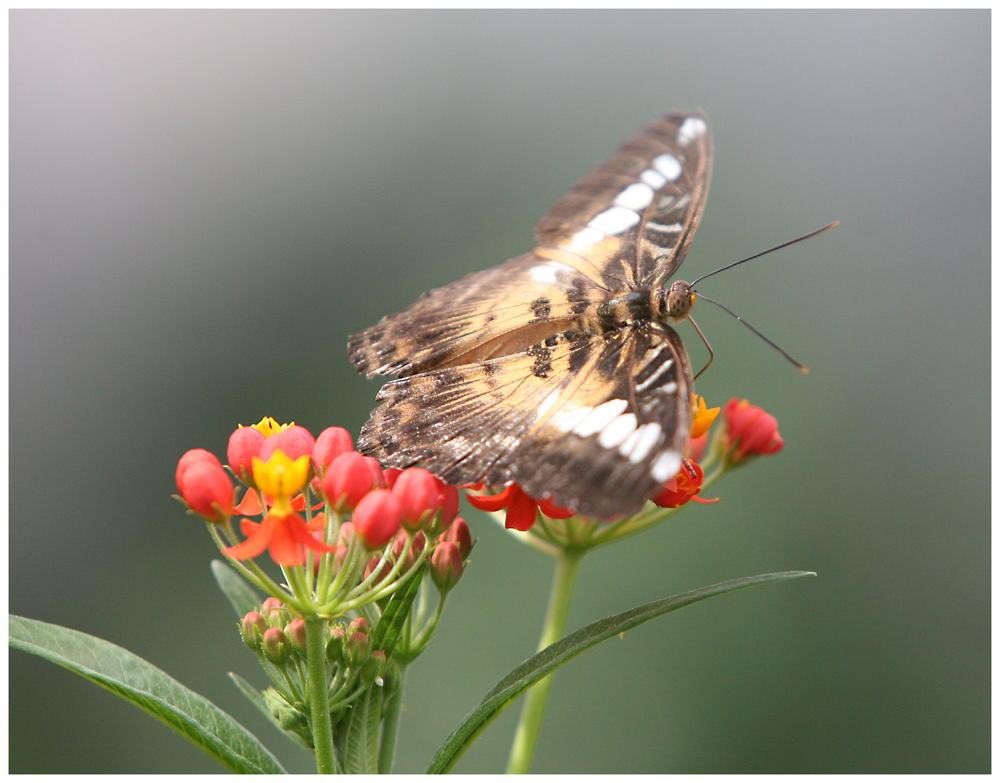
[711, 353]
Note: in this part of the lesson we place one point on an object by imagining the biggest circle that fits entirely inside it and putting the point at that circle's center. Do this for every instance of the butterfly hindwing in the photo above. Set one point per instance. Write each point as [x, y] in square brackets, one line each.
[566, 420]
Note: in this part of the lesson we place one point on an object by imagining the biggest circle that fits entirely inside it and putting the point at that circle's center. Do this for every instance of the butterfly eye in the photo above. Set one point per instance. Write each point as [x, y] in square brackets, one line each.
[680, 300]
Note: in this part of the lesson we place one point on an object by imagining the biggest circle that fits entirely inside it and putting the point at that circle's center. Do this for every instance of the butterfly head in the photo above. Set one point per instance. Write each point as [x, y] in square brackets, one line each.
[674, 302]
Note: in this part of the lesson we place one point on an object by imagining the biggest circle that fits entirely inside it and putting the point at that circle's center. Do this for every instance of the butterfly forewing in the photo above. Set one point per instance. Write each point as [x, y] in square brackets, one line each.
[512, 373]
[632, 219]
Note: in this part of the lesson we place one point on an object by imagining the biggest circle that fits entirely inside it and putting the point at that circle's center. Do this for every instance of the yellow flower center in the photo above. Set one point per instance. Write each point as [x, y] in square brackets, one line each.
[281, 478]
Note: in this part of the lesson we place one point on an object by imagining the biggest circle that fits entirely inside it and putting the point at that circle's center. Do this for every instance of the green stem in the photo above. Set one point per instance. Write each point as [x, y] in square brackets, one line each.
[530, 723]
[319, 703]
[390, 726]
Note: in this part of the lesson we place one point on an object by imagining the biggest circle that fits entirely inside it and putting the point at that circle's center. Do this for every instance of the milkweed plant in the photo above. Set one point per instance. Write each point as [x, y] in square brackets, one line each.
[367, 557]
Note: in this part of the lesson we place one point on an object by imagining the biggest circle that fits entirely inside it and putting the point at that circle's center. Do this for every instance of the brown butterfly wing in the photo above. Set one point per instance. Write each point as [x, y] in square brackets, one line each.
[595, 422]
[651, 193]
[633, 217]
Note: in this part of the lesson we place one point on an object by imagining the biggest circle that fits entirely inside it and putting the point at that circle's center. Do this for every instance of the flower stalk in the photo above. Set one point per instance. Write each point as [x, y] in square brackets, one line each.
[530, 724]
[319, 708]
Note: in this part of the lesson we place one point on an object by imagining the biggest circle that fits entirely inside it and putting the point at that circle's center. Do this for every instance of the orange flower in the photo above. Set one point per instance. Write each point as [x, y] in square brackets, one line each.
[683, 487]
[522, 510]
[283, 532]
[704, 417]
[286, 537]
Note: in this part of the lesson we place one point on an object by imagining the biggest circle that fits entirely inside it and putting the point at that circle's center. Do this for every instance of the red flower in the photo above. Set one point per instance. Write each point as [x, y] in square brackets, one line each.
[377, 518]
[293, 440]
[751, 431]
[522, 510]
[205, 487]
[192, 457]
[683, 487]
[286, 536]
[244, 444]
[419, 496]
[390, 475]
[349, 478]
[331, 443]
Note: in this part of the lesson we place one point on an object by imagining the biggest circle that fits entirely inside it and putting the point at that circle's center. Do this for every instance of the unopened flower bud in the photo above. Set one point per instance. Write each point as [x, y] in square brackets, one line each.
[377, 518]
[331, 443]
[274, 612]
[296, 633]
[356, 649]
[271, 603]
[349, 478]
[383, 571]
[446, 566]
[244, 444]
[359, 624]
[252, 629]
[208, 490]
[345, 534]
[458, 533]
[414, 551]
[192, 457]
[294, 441]
[391, 474]
[275, 646]
[419, 497]
[335, 644]
[374, 668]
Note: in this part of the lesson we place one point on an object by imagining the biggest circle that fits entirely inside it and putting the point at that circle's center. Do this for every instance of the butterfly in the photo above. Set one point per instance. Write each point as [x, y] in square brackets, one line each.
[558, 369]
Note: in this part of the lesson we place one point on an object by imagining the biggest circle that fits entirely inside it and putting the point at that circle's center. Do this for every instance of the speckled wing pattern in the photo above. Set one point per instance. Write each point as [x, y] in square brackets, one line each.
[509, 375]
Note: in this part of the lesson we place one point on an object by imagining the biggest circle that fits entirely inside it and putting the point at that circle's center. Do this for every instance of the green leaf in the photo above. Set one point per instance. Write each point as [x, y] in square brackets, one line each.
[567, 648]
[361, 740]
[139, 682]
[240, 594]
[387, 630]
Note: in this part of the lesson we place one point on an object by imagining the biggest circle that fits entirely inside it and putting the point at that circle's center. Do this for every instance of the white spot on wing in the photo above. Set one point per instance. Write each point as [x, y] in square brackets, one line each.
[599, 418]
[656, 374]
[668, 165]
[665, 228]
[546, 273]
[614, 220]
[692, 128]
[617, 430]
[639, 443]
[636, 196]
[654, 179]
[584, 238]
[665, 466]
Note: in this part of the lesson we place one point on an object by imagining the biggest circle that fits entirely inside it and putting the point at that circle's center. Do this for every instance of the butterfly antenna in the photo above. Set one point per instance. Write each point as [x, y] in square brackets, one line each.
[778, 348]
[758, 255]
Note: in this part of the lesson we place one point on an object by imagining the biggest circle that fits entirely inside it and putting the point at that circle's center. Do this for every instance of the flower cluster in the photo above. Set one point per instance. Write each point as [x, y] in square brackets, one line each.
[346, 533]
[350, 538]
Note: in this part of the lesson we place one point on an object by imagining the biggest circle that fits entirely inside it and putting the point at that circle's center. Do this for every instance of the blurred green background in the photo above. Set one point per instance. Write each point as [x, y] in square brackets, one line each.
[204, 205]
